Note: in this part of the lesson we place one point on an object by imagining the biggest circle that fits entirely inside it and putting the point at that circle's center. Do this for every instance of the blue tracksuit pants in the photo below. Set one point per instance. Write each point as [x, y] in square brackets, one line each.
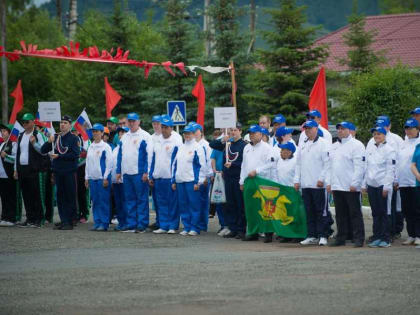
[120, 205]
[166, 202]
[204, 206]
[100, 203]
[189, 206]
[136, 194]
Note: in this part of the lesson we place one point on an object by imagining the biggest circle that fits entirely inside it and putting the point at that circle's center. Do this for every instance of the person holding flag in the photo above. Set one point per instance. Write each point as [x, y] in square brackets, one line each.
[133, 165]
[64, 150]
[28, 164]
[8, 185]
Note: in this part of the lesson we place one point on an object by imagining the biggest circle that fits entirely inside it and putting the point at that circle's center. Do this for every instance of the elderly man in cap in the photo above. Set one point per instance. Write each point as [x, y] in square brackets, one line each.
[8, 193]
[346, 176]
[312, 164]
[133, 165]
[28, 164]
[164, 153]
[316, 116]
[64, 150]
[157, 138]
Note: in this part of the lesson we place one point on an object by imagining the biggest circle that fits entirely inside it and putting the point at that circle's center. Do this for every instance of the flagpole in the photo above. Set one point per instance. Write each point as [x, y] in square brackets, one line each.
[232, 74]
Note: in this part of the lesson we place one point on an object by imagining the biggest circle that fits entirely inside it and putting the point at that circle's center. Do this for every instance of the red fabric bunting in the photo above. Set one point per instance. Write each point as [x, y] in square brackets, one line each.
[181, 66]
[167, 65]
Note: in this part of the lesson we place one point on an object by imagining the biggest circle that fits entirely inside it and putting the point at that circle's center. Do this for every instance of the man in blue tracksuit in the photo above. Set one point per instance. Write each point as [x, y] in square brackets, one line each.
[133, 164]
[164, 153]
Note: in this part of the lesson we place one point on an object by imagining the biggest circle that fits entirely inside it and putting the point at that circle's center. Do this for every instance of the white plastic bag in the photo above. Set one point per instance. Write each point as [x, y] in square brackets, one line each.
[218, 194]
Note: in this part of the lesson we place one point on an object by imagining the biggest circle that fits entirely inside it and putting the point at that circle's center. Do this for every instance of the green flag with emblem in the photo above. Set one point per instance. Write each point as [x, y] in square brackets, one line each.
[271, 207]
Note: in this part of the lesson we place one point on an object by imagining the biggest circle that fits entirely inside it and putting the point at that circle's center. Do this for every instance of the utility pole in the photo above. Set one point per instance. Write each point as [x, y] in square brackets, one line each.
[72, 19]
[207, 27]
[252, 26]
[58, 9]
[4, 87]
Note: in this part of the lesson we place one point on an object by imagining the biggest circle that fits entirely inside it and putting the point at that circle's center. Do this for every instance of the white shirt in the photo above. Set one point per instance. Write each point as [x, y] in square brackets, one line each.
[380, 166]
[189, 164]
[156, 137]
[405, 176]
[24, 149]
[208, 169]
[312, 163]
[286, 171]
[10, 158]
[164, 153]
[99, 161]
[257, 158]
[114, 166]
[136, 149]
[326, 136]
[176, 135]
[347, 161]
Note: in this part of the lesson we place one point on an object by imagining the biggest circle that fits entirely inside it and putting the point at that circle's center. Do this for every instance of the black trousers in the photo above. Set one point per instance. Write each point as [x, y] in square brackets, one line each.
[379, 206]
[410, 204]
[316, 205]
[66, 196]
[49, 197]
[82, 204]
[348, 209]
[234, 209]
[8, 199]
[29, 184]
[396, 218]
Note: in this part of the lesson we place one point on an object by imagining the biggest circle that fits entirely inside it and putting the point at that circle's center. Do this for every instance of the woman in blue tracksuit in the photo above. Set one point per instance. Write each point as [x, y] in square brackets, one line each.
[97, 178]
[188, 175]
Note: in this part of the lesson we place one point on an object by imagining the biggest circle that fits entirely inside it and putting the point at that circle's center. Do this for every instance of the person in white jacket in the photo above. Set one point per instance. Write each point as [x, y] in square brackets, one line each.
[208, 171]
[378, 181]
[347, 168]
[133, 165]
[117, 185]
[188, 174]
[406, 182]
[316, 116]
[160, 177]
[97, 178]
[312, 164]
[286, 164]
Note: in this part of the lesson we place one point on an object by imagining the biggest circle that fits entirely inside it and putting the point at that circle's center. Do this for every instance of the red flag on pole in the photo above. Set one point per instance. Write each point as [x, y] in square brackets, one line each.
[111, 97]
[318, 97]
[18, 105]
[200, 93]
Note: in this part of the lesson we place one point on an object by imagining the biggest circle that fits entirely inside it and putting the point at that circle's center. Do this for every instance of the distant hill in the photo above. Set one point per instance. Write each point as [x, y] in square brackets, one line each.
[330, 14]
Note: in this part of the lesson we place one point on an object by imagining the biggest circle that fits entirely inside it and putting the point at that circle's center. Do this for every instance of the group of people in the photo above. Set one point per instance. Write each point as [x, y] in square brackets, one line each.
[121, 165]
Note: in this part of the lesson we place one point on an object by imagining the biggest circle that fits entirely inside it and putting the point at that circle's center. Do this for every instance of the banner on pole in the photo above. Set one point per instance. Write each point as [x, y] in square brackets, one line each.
[49, 111]
[224, 117]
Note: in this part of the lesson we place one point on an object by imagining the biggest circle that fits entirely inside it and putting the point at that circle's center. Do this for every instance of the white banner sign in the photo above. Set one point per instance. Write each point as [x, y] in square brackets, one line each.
[49, 111]
[224, 117]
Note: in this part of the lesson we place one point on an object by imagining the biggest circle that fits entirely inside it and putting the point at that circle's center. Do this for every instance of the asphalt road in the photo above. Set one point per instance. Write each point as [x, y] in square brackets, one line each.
[81, 272]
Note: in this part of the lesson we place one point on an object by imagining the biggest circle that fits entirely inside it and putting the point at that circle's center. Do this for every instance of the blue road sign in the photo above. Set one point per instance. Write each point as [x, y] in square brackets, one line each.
[177, 110]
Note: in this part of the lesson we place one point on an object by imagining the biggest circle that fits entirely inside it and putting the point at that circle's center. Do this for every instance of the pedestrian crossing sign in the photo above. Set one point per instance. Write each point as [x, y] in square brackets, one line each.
[177, 110]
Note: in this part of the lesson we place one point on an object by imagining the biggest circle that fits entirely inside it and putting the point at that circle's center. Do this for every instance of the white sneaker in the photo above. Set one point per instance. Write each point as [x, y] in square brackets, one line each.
[323, 241]
[6, 223]
[309, 241]
[417, 241]
[171, 232]
[114, 221]
[224, 231]
[128, 231]
[160, 231]
[409, 241]
[192, 233]
[183, 233]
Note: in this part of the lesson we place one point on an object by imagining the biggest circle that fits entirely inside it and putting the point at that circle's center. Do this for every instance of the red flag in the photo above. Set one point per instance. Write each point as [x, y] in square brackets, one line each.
[111, 97]
[200, 93]
[318, 97]
[18, 105]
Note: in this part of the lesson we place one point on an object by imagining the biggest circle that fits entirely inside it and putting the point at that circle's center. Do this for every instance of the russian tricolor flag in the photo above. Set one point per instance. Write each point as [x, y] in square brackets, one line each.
[14, 134]
[83, 126]
[46, 124]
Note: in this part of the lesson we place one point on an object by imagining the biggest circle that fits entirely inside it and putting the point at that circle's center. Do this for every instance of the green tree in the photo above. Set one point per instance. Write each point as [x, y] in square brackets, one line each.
[399, 6]
[393, 92]
[289, 65]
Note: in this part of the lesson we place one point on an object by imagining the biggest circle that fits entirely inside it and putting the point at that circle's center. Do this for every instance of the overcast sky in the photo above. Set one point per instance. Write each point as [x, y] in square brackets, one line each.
[39, 2]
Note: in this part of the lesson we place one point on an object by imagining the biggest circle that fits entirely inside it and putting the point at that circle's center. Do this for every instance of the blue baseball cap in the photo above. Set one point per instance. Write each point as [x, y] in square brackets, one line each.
[310, 124]
[378, 129]
[125, 129]
[165, 120]
[133, 116]
[351, 126]
[415, 111]
[279, 119]
[283, 131]
[98, 127]
[189, 128]
[156, 118]
[411, 123]
[288, 145]
[198, 126]
[383, 121]
[254, 128]
[344, 124]
[314, 113]
[265, 131]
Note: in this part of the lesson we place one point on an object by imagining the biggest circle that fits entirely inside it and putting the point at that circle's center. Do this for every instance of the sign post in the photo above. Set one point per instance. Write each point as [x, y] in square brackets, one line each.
[177, 110]
[224, 118]
[49, 111]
